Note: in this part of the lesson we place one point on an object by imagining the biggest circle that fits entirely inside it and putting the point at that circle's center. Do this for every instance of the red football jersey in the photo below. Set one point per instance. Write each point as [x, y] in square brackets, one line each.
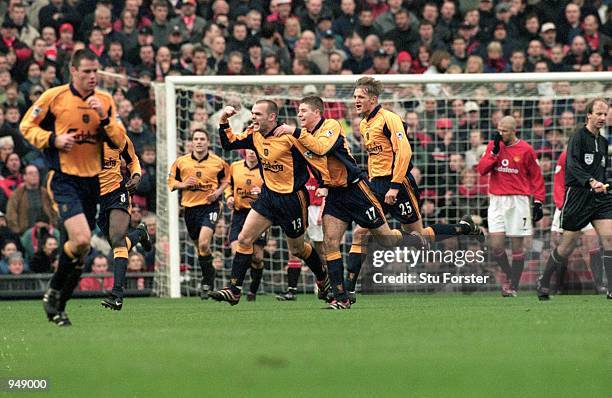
[514, 170]
[559, 181]
[311, 186]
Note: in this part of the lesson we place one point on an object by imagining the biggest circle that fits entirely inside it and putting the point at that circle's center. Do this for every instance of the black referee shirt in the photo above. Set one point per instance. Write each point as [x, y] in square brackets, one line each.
[587, 157]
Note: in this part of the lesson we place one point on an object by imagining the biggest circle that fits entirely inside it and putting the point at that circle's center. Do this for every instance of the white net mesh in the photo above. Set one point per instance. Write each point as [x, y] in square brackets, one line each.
[449, 126]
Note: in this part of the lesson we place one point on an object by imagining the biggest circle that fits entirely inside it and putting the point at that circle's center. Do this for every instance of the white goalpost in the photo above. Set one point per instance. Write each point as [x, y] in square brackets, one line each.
[447, 182]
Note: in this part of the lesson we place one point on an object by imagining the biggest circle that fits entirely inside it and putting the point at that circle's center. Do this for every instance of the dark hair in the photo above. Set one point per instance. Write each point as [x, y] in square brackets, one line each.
[271, 106]
[591, 104]
[80, 55]
[199, 49]
[314, 103]
[48, 65]
[200, 130]
[6, 242]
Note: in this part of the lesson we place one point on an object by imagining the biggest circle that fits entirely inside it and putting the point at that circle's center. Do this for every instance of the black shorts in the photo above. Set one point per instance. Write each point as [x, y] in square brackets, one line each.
[289, 211]
[117, 199]
[201, 216]
[583, 206]
[238, 219]
[72, 195]
[355, 203]
[407, 209]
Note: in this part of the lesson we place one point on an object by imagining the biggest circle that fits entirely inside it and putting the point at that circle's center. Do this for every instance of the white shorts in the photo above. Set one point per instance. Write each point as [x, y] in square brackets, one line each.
[556, 223]
[314, 231]
[510, 214]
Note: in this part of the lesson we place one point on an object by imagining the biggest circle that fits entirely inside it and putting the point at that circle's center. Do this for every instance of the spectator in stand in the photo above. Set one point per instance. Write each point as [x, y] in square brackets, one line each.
[426, 38]
[345, 24]
[404, 34]
[358, 61]
[422, 60]
[332, 109]
[473, 119]
[28, 202]
[474, 64]
[32, 238]
[459, 55]
[136, 263]
[591, 33]
[148, 182]
[17, 14]
[56, 13]
[16, 264]
[10, 40]
[139, 132]
[12, 179]
[381, 64]
[448, 23]
[99, 265]
[160, 26]
[45, 259]
[6, 234]
[328, 46]
[476, 150]
[9, 247]
[191, 25]
[517, 62]
[535, 53]
[570, 26]
[530, 29]
[578, 54]
[66, 38]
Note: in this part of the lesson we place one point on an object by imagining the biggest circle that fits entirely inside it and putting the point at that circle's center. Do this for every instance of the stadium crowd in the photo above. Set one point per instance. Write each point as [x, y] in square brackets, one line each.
[139, 41]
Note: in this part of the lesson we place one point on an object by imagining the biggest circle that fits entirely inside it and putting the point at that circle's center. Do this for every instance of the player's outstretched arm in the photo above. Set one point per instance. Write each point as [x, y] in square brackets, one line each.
[230, 140]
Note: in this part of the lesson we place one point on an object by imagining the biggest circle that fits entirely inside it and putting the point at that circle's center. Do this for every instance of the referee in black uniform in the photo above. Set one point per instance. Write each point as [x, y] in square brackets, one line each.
[586, 196]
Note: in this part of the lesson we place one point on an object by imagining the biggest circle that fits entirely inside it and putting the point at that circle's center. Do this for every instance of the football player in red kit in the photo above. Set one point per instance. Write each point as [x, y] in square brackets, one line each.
[515, 176]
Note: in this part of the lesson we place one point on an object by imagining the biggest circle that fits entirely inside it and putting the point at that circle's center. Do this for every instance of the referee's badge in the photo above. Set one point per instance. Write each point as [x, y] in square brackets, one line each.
[588, 158]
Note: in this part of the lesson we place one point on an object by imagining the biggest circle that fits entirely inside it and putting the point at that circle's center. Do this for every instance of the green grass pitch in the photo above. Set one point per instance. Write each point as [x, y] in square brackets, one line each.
[442, 345]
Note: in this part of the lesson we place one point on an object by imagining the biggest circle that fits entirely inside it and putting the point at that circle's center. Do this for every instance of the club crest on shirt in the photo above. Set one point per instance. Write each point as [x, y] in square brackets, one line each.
[198, 174]
[588, 158]
[266, 152]
[85, 118]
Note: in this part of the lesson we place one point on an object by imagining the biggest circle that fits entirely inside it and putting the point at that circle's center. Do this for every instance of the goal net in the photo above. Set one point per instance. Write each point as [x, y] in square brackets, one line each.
[450, 120]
